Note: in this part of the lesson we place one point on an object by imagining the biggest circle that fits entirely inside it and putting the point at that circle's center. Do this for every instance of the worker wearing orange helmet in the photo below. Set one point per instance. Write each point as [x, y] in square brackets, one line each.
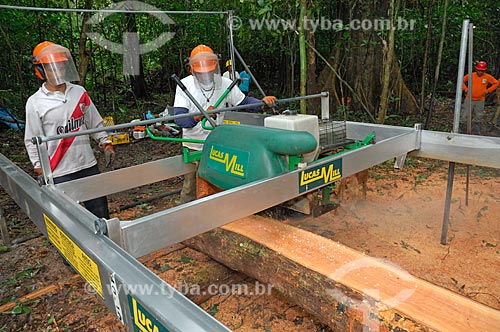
[60, 107]
[482, 84]
[206, 85]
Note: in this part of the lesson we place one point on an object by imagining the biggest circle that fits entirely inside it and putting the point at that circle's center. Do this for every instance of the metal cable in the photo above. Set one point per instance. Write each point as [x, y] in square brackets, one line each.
[83, 10]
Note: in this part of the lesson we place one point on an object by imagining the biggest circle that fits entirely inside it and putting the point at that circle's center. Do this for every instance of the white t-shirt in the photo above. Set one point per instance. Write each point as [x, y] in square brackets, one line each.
[53, 113]
[226, 75]
[235, 97]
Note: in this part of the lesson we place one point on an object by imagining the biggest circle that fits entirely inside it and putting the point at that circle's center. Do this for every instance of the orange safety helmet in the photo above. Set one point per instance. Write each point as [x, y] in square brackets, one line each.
[40, 57]
[48, 56]
[39, 72]
[200, 49]
[481, 65]
[203, 59]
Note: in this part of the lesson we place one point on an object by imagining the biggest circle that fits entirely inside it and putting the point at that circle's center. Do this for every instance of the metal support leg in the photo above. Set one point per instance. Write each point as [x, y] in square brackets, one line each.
[449, 189]
[399, 163]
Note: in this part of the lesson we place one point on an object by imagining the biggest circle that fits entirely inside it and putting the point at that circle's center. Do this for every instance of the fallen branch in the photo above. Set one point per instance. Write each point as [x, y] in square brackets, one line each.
[26, 238]
[38, 293]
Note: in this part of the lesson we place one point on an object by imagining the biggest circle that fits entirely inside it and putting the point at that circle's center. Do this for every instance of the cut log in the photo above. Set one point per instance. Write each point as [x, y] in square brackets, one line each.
[343, 288]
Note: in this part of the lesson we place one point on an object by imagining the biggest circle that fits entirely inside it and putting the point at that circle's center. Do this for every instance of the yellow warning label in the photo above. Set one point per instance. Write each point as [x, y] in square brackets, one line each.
[80, 260]
[231, 122]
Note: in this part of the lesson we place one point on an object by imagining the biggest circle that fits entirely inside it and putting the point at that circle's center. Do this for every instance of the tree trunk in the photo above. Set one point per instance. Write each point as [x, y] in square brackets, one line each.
[388, 63]
[303, 55]
[83, 53]
[313, 105]
[426, 54]
[138, 83]
[497, 60]
[438, 64]
[361, 64]
[345, 289]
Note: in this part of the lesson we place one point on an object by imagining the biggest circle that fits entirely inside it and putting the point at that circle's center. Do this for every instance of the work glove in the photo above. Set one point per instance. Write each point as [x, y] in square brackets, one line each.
[270, 103]
[39, 176]
[200, 117]
[269, 100]
[109, 154]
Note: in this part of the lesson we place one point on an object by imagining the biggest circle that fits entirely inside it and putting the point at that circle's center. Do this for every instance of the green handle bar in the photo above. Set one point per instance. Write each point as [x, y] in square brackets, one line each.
[217, 103]
[172, 139]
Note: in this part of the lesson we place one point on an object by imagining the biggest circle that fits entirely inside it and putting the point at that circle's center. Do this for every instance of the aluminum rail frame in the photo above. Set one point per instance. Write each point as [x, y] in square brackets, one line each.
[461, 148]
[467, 149]
[125, 178]
[138, 297]
[158, 230]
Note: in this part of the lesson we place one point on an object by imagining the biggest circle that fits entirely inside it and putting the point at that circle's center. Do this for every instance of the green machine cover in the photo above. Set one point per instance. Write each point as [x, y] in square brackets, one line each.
[234, 155]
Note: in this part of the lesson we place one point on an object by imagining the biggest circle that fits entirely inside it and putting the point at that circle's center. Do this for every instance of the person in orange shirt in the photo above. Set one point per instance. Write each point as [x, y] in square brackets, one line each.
[482, 84]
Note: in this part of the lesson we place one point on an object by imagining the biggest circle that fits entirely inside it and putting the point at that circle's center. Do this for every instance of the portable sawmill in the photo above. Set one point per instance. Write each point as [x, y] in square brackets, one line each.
[254, 166]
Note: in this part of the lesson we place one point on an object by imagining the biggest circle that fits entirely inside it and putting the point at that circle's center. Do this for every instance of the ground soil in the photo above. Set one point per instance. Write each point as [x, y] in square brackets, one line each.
[399, 221]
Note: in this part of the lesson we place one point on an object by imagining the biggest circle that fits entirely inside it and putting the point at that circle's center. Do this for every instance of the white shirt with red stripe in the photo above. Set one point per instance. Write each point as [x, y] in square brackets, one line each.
[234, 97]
[53, 113]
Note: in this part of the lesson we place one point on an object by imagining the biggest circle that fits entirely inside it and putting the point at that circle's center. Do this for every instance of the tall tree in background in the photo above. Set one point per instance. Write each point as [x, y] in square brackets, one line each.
[137, 82]
[303, 54]
[83, 52]
[360, 62]
[388, 48]
[426, 54]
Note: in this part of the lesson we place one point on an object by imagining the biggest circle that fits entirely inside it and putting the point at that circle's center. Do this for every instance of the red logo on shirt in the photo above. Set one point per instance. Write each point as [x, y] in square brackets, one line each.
[74, 124]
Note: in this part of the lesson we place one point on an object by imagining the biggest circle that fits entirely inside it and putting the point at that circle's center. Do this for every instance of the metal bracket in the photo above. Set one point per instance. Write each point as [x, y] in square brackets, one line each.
[325, 106]
[114, 230]
[399, 163]
[189, 157]
[43, 155]
[116, 299]
[100, 227]
[418, 141]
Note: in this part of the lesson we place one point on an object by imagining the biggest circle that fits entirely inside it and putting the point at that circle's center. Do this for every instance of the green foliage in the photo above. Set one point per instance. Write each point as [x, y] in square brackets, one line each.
[186, 259]
[271, 53]
[213, 309]
[165, 267]
[410, 45]
[20, 308]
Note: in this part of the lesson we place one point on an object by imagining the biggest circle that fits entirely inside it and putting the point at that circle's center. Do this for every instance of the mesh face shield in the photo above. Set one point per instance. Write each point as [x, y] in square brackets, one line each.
[57, 64]
[205, 69]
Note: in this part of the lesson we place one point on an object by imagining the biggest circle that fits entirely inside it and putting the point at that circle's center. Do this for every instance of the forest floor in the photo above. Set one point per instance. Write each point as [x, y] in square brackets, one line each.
[399, 221]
